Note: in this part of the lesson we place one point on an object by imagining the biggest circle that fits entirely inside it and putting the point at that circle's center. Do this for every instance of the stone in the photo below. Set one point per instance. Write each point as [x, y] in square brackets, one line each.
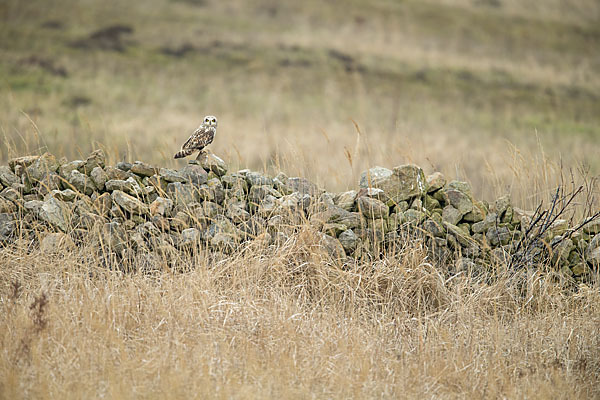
[143, 169]
[259, 192]
[257, 179]
[592, 227]
[223, 242]
[460, 201]
[64, 195]
[497, 236]
[414, 216]
[124, 166]
[42, 166]
[7, 226]
[302, 186]
[96, 159]
[129, 203]
[463, 187]
[181, 193]
[349, 241]
[116, 174]
[431, 203]
[372, 208]
[403, 183]
[435, 181]
[102, 204]
[489, 221]
[65, 169]
[33, 206]
[10, 194]
[592, 252]
[346, 200]
[171, 175]
[56, 213]
[332, 246]
[237, 214]
[194, 174]
[7, 177]
[295, 201]
[451, 215]
[55, 243]
[435, 228]
[477, 214]
[7, 206]
[161, 206]
[333, 229]
[98, 177]
[212, 163]
[460, 235]
[82, 183]
[180, 221]
[216, 187]
[190, 238]
[501, 205]
[128, 186]
[115, 237]
[24, 161]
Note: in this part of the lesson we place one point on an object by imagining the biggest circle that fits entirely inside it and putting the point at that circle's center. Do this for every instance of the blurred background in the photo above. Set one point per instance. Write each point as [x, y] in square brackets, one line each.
[502, 93]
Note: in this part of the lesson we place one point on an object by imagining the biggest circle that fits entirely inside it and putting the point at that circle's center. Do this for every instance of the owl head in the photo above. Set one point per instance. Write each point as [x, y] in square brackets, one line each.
[210, 120]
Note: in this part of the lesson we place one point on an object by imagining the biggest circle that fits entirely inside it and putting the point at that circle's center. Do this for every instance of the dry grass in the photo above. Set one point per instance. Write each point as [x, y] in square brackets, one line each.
[289, 323]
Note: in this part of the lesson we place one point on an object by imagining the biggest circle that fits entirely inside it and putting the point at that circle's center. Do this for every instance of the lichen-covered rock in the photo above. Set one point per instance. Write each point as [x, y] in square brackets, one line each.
[171, 175]
[7, 177]
[592, 228]
[372, 208]
[214, 164]
[143, 169]
[56, 213]
[116, 174]
[414, 216]
[96, 159]
[181, 193]
[7, 206]
[42, 166]
[190, 238]
[82, 183]
[98, 177]
[332, 246]
[194, 174]
[65, 169]
[460, 201]
[498, 235]
[7, 226]
[161, 206]
[435, 182]
[64, 195]
[349, 241]
[115, 238]
[129, 203]
[403, 183]
[346, 200]
[302, 186]
[451, 215]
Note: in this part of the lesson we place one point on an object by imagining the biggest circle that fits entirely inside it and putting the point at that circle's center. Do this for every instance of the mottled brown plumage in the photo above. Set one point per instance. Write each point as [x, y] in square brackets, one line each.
[202, 137]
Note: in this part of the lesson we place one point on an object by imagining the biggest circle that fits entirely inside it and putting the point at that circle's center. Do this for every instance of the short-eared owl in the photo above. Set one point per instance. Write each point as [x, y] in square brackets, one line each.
[202, 137]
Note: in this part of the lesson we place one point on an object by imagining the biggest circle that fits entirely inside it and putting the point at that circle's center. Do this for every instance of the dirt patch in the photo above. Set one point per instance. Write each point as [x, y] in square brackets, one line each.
[109, 38]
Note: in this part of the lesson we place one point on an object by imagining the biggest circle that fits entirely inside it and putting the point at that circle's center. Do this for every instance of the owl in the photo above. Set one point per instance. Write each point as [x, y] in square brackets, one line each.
[202, 137]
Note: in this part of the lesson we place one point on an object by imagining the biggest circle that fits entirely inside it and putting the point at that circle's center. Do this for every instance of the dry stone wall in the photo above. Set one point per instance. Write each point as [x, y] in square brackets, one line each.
[143, 208]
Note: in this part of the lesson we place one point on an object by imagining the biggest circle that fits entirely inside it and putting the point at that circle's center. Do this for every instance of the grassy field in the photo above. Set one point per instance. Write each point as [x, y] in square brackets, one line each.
[502, 93]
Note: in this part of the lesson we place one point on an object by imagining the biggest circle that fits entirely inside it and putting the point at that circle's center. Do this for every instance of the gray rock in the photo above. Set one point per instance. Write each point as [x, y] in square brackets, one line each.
[10, 194]
[82, 183]
[332, 246]
[7, 206]
[223, 242]
[161, 206]
[116, 174]
[7, 177]
[181, 193]
[267, 205]
[592, 228]
[259, 192]
[372, 208]
[489, 221]
[171, 175]
[349, 241]
[460, 201]
[451, 215]
[115, 237]
[498, 235]
[65, 170]
[42, 166]
[96, 159]
[302, 186]
[460, 235]
[98, 177]
[129, 186]
[56, 213]
[295, 201]
[55, 243]
[129, 203]
[237, 214]
[414, 216]
[501, 205]
[461, 187]
[477, 214]
[346, 200]
[403, 183]
[33, 206]
[7, 226]
[435, 228]
[214, 164]
[194, 174]
[257, 179]
[143, 169]
[64, 195]
[190, 238]
[333, 229]
[216, 187]
[435, 181]
[124, 166]
[592, 253]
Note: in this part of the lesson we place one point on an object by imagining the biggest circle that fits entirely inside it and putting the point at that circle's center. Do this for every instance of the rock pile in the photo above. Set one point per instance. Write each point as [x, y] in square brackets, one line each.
[148, 209]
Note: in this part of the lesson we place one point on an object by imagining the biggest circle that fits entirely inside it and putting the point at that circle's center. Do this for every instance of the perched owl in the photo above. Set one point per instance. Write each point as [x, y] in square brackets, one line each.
[202, 137]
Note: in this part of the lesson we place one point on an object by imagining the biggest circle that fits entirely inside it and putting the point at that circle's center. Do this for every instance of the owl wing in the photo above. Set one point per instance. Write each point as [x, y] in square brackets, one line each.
[201, 138]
